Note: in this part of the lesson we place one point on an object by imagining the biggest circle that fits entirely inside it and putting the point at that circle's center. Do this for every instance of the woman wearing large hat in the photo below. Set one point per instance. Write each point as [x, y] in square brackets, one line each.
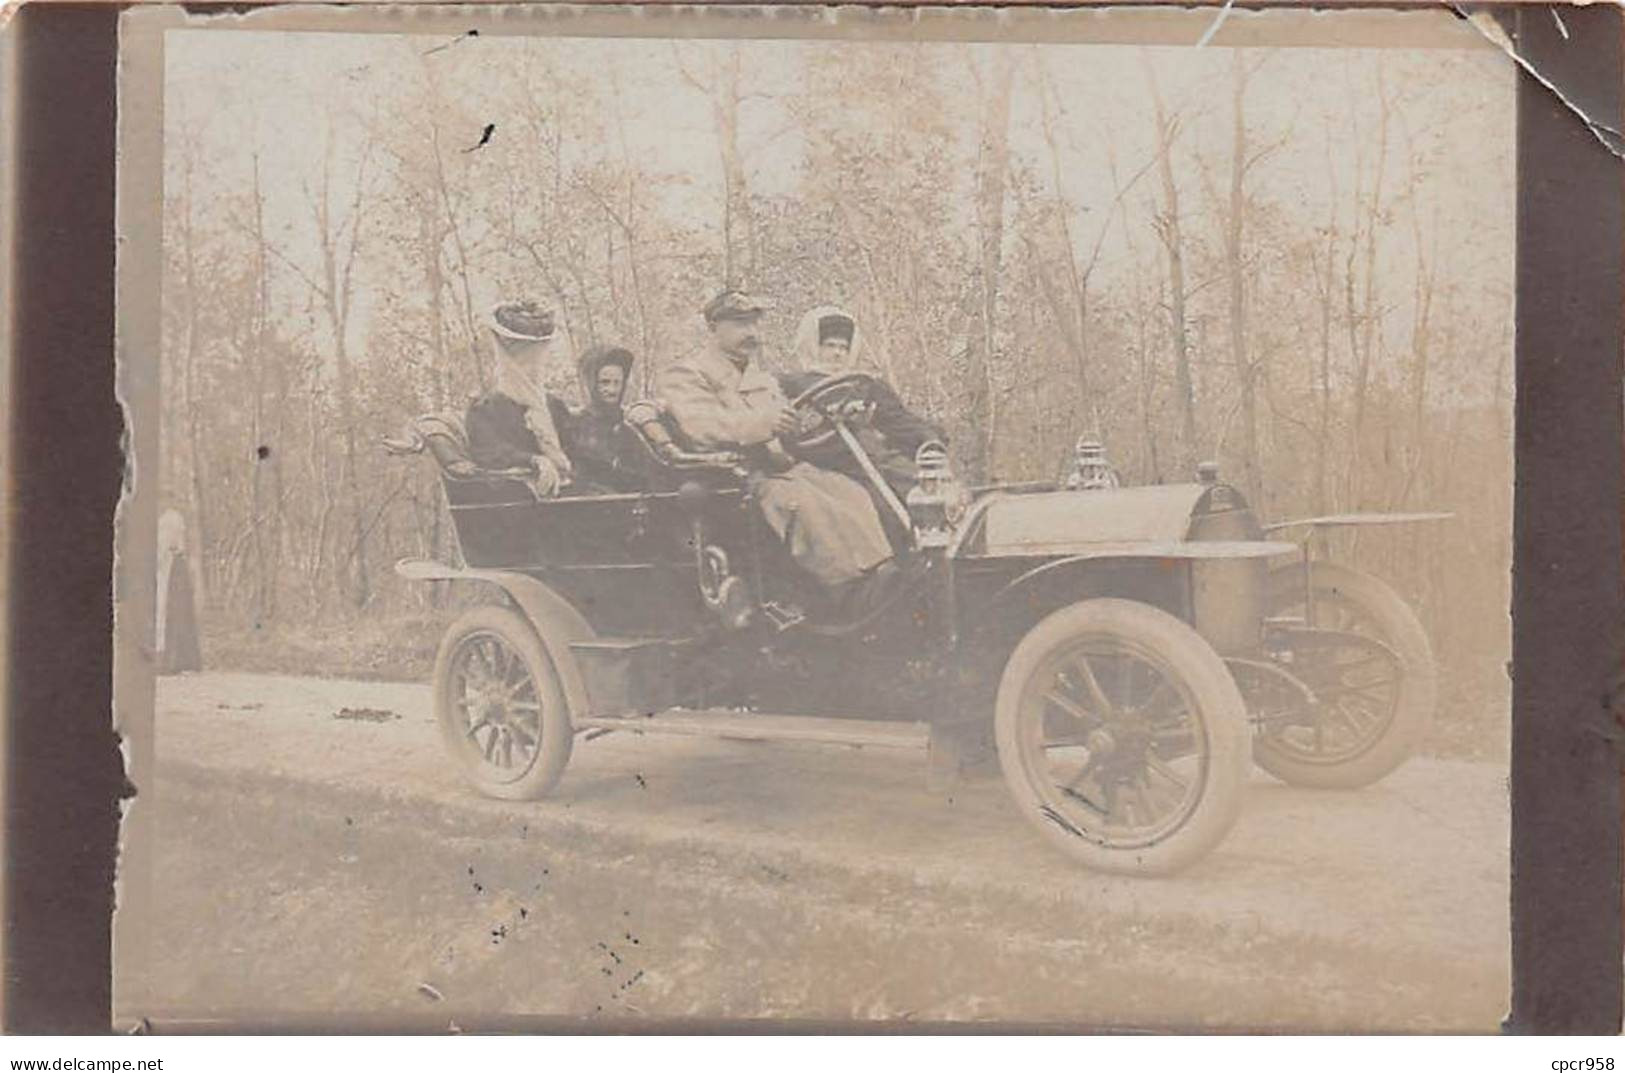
[516, 425]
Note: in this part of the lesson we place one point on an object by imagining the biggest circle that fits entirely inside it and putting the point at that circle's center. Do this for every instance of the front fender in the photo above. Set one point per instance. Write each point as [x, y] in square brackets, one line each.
[1154, 572]
[1143, 553]
[556, 621]
[1036, 592]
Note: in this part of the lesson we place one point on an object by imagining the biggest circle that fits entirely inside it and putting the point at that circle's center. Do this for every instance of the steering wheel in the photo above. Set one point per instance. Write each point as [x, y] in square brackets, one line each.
[847, 395]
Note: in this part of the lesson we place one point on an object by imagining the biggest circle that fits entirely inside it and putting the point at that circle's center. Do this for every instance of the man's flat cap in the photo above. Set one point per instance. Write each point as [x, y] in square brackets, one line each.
[732, 305]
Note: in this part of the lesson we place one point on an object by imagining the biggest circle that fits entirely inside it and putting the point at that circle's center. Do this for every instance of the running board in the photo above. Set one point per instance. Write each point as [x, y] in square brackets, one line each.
[747, 726]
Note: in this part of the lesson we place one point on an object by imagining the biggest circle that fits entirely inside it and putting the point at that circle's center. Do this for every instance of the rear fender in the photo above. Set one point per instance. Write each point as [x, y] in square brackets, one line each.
[556, 621]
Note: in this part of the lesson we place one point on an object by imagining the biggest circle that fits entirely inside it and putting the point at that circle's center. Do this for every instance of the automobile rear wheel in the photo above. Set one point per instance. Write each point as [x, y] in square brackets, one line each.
[500, 706]
[1122, 737]
[1366, 659]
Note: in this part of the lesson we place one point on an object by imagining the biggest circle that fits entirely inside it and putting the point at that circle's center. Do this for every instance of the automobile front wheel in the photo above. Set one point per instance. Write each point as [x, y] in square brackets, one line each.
[1122, 737]
[500, 705]
[1370, 673]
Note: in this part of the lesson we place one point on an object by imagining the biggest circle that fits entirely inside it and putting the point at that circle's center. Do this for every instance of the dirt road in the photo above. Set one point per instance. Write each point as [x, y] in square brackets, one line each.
[312, 865]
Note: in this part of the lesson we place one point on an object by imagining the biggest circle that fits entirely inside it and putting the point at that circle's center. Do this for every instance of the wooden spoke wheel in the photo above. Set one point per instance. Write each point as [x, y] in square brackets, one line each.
[1366, 660]
[500, 706]
[1122, 737]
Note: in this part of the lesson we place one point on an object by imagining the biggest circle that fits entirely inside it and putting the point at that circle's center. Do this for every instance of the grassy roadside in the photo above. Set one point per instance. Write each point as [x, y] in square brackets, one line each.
[397, 649]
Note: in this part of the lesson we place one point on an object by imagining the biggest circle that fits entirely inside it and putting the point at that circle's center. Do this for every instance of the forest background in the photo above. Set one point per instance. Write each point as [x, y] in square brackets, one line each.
[1295, 261]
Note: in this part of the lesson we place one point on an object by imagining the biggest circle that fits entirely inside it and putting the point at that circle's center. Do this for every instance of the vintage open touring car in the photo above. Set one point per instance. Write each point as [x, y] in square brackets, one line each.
[1128, 651]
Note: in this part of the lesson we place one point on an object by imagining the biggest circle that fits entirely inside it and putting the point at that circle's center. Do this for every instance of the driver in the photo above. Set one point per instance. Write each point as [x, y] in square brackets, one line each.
[721, 399]
[828, 343]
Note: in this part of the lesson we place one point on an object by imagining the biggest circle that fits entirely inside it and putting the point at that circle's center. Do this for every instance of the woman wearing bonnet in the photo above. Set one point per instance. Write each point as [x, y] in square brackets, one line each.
[828, 343]
[516, 425]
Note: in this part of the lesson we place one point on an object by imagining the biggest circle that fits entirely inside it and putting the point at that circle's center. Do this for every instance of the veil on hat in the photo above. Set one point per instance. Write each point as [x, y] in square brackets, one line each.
[517, 326]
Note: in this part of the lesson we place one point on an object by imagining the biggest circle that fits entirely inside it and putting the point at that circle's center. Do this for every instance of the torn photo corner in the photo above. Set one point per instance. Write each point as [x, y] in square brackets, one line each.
[669, 514]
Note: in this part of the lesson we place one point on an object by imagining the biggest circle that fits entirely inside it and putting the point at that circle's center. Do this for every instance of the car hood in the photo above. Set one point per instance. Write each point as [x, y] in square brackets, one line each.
[1042, 523]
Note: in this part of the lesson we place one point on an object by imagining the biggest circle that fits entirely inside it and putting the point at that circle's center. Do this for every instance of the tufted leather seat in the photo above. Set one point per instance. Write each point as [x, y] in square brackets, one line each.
[666, 442]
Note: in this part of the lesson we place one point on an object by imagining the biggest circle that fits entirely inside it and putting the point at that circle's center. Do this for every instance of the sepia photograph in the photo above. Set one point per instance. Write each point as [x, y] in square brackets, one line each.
[704, 517]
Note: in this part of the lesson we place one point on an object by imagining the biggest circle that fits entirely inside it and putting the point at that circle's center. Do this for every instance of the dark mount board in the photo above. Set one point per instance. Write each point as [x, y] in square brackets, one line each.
[1566, 618]
[63, 771]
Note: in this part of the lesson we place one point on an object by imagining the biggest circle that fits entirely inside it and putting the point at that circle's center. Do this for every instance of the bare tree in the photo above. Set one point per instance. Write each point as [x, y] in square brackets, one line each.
[1079, 272]
[1363, 316]
[264, 597]
[1167, 225]
[1424, 288]
[1249, 363]
[719, 81]
[627, 221]
[338, 240]
[191, 395]
[992, 162]
[1323, 264]
[1245, 364]
[1077, 337]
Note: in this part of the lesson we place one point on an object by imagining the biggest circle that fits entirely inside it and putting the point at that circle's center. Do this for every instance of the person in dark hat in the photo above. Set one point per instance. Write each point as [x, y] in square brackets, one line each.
[722, 399]
[828, 343]
[604, 451]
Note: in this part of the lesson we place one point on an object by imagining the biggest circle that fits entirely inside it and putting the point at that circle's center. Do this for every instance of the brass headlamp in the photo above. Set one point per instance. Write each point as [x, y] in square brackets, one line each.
[937, 500]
